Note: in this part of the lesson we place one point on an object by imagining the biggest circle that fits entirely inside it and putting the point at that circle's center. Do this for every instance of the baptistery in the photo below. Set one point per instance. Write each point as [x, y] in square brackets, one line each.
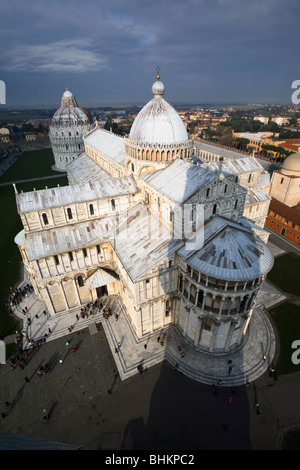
[69, 124]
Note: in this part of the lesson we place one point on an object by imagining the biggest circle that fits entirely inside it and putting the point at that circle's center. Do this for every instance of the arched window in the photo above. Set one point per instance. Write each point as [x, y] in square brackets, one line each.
[200, 298]
[113, 204]
[208, 192]
[45, 219]
[168, 307]
[180, 282]
[80, 281]
[69, 212]
[236, 203]
[91, 207]
[214, 209]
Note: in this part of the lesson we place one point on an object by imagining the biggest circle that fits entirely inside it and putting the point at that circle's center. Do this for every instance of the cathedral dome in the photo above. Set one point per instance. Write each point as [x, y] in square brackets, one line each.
[158, 122]
[291, 164]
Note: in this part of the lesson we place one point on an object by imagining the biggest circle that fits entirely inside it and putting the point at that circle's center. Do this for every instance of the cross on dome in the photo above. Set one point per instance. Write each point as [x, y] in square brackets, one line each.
[158, 87]
[157, 74]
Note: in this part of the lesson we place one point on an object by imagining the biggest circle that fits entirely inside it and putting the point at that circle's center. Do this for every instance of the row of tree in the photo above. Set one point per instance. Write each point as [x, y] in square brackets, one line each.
[112, 126]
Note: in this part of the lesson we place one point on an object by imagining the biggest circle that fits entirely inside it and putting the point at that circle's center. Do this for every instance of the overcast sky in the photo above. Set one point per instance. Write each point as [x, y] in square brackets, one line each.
[106, 52]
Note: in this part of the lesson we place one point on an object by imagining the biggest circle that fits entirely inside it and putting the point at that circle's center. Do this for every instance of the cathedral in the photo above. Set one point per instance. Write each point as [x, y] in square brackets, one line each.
[152, 220]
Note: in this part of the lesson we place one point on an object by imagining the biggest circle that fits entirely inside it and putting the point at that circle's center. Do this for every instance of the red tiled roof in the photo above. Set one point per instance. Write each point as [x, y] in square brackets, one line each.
[290, 213]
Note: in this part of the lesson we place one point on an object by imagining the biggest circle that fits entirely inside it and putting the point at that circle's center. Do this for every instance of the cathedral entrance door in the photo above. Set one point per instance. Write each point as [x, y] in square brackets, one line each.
[101, 291]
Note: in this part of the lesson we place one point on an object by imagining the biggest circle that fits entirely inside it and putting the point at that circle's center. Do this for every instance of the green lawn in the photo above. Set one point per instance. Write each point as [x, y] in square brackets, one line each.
[285, 273]
[10, 259]
[287, 320]
[32, 164]
[292, 441]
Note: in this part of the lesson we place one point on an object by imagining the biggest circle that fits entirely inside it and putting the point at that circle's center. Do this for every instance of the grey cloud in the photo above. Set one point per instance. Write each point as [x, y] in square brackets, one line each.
[59, 56]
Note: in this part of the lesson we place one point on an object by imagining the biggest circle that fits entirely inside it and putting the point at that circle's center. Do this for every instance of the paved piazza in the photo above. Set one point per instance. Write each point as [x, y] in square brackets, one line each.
[160, 408]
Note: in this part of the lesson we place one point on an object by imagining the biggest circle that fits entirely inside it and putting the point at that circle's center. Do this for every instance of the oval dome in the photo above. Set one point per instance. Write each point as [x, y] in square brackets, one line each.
[158, 122]
[291, 164]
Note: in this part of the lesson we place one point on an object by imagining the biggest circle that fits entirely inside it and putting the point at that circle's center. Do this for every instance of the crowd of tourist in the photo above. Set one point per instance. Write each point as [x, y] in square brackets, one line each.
[17, 295]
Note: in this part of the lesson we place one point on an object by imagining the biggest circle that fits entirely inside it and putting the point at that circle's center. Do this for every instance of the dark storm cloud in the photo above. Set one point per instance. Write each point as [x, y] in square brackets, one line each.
[208, 50]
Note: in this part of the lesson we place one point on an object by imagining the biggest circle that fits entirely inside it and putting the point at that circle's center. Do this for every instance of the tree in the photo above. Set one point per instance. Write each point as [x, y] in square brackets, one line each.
[242, 142]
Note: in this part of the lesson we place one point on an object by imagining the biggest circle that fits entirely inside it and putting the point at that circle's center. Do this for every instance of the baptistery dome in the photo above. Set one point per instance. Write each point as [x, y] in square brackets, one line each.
[69, 124]
[70, 113]
[157, 135]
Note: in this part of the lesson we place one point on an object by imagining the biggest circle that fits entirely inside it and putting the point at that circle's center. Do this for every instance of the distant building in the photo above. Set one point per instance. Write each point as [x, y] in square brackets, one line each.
[280, 120]
[29, 136]
[257, 139]
[263, 119]
[5, 139]
[4, 131]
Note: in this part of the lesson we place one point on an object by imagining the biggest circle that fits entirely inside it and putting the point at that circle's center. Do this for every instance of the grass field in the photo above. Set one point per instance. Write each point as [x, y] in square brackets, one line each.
[292, 441]
[32, 164]
[287, 320]
[36, 163]
[285, 273]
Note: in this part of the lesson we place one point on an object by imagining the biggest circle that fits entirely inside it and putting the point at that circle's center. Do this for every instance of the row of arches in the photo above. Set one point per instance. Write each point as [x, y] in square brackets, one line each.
[67, 133]
[157, 155]
[218, 304]
[71, 291]
[70, 212]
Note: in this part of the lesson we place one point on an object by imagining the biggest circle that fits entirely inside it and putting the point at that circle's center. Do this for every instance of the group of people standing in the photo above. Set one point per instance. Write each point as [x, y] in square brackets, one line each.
[17, 295]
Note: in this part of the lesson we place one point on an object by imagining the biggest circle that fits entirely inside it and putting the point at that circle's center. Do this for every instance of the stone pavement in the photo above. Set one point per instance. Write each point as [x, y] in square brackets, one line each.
[159, 409]
[248, 362]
